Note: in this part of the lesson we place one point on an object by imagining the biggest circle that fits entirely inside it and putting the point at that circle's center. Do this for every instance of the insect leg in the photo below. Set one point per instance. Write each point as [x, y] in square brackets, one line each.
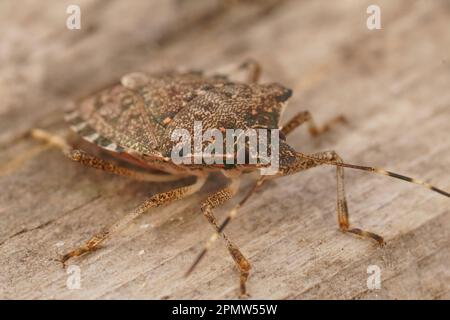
[303, 162]
[254, 70]
[342, 207]
[314, 130]
[15, 163]
[231, 215]
[155, 201]
[207, 208]
[248, 71]
[97, 163]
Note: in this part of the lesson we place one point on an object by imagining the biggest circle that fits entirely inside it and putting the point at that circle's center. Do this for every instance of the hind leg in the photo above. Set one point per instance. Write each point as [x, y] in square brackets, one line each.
[97, 163]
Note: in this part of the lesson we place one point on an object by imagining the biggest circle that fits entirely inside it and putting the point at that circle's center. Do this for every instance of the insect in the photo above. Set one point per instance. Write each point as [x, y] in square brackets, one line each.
[133, 120]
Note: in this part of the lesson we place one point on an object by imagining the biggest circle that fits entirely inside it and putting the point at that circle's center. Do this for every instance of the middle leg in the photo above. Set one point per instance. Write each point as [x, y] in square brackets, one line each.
[155, 201]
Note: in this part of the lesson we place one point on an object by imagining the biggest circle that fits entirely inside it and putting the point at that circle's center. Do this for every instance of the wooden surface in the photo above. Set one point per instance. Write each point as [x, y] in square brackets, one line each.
[392, 84]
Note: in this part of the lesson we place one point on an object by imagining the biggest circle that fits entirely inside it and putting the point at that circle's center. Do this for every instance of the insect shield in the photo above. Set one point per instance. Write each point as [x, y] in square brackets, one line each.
[258, 147]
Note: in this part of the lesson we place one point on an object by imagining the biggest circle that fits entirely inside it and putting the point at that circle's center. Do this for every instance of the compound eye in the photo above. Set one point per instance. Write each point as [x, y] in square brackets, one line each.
[287, 93]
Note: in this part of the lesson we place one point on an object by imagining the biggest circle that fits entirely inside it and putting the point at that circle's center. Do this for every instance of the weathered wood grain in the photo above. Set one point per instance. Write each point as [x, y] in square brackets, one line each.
[392, 84]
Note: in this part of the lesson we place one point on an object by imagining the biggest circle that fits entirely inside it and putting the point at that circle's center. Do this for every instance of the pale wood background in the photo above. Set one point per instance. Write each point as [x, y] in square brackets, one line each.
[392, 84]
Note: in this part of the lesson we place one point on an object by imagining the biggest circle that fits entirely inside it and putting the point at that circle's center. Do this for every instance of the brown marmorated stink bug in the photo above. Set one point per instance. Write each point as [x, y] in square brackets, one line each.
[134, 119]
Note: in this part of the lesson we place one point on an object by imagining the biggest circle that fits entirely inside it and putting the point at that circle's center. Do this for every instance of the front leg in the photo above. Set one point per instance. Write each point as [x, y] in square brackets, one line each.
[300, 162]
[207, 208]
